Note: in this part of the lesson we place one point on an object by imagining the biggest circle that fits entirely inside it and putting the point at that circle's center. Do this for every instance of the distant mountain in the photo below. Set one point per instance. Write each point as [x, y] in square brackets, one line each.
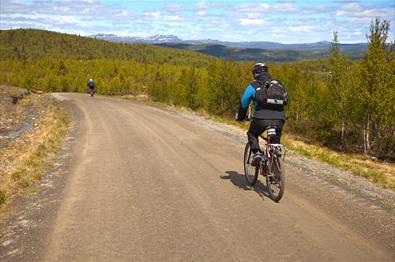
[156, 39]
[160, 39]
[255, 50]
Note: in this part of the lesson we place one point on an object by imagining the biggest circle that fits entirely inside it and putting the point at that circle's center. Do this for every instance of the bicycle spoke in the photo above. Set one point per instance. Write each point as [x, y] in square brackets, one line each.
[251, 172]
[275, 181]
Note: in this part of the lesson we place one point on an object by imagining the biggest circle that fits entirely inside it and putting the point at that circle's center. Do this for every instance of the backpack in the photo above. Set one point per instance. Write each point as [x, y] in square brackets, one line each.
[271, 93]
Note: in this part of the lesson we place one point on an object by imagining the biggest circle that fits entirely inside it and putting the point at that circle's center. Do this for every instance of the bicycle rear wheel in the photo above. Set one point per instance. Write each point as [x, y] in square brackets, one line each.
[250, 172]
[275, 179]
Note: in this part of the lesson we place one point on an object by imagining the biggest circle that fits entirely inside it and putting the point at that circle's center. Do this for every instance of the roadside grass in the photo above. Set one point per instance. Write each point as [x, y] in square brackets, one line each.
[359, 164]
[25, 159]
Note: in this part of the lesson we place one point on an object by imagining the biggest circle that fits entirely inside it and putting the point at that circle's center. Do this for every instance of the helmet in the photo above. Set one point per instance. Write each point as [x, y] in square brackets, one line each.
[259, 68]
[91, 80]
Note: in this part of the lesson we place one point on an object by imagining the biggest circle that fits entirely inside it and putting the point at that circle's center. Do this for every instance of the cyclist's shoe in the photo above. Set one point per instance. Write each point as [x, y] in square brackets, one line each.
[257, 159]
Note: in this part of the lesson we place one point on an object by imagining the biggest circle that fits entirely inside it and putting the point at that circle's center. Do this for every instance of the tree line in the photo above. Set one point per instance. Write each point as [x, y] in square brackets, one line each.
[347, 105]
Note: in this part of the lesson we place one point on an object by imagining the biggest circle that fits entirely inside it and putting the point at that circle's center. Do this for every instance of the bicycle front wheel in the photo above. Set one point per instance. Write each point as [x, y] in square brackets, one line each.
[275, 179]
[250, 172]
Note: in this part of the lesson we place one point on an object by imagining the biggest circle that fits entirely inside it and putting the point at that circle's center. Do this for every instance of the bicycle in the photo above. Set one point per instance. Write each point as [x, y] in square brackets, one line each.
[271, 167]
[92, 91]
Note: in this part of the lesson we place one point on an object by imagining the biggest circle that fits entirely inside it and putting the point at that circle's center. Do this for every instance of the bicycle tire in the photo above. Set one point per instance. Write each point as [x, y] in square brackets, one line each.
[250, 172]
[275, 180]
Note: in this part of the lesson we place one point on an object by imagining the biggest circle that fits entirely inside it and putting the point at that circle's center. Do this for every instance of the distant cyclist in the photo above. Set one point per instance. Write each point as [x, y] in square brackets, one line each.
[91, 86]
[269, 99]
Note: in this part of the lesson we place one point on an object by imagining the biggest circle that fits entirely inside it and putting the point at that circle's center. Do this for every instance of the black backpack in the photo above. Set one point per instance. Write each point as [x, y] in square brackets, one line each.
[271, 94]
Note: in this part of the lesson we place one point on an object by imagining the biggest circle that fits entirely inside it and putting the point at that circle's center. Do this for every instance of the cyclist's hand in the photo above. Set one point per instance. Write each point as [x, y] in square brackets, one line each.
[237, 118]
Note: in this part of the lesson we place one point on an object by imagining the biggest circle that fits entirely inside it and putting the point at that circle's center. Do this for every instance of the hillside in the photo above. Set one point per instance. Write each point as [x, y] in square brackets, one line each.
[171, 39]
[249, 54]
[213, 85]
[254, 50]
[274, 55]
[39, 44]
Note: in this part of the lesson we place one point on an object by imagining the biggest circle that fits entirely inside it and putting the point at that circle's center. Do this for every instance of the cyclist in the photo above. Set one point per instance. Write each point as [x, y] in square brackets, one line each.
[91, 86]
[265, 114]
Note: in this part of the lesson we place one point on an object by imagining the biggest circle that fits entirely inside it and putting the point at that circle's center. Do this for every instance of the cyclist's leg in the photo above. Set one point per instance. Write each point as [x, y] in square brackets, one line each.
[257, 127]
[279, 124]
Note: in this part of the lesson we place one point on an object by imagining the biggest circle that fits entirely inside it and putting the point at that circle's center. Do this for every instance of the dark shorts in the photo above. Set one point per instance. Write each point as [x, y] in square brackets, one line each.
[258, 126]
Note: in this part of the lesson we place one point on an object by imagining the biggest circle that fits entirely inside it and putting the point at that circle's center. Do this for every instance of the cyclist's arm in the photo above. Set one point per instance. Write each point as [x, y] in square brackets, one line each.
[245, 101]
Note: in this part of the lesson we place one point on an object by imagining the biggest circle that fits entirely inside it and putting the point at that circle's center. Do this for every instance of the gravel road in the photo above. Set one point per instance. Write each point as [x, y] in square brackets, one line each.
[140, 183]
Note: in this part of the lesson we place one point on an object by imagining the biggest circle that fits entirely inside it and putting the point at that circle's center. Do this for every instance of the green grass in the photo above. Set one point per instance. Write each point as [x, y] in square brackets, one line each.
[344, 161]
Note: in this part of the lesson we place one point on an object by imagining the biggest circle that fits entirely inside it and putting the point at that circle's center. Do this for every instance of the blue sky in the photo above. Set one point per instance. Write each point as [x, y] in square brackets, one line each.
[283, 21]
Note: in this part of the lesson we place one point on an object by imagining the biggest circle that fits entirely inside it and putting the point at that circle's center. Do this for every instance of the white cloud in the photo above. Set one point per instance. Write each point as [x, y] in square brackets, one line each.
[276, 30]
[280, 8]
[285, 8]
[357, 32]
[254, 15]
[171, 18]
[120, 13]
[46, 19]
[248, 7]
[356, 10]
[201, 6]
[159, 17]
[352, 7]
[173, 8]
[216, 19]
[303, 29]
[251, 21]
[152, 15]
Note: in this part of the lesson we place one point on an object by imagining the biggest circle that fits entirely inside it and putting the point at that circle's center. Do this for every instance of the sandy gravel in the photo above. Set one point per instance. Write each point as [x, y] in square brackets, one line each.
[140, 183]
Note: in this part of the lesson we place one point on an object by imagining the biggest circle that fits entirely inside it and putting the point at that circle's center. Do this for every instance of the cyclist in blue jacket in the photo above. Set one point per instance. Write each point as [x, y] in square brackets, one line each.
[264, 116]
[91, 86]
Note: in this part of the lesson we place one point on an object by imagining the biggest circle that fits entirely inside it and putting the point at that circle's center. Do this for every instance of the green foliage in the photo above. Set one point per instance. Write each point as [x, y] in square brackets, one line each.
[353, 51]
[24, 44]
[335, 101]
[338, 86]
[376, 90]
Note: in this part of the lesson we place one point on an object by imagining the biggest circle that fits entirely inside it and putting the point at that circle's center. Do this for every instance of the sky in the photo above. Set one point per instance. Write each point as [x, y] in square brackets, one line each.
[282, 21]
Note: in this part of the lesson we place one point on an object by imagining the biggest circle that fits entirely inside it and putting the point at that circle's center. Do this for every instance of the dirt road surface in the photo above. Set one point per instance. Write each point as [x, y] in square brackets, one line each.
[141, 183]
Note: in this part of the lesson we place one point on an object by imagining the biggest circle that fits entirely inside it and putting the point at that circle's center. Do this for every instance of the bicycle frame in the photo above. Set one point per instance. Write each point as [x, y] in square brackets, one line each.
[271, 166]
[270, 149]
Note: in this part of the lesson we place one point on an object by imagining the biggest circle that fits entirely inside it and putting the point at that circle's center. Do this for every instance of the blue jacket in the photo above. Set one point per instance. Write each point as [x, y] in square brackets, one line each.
[91, 84]
[259, 111]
